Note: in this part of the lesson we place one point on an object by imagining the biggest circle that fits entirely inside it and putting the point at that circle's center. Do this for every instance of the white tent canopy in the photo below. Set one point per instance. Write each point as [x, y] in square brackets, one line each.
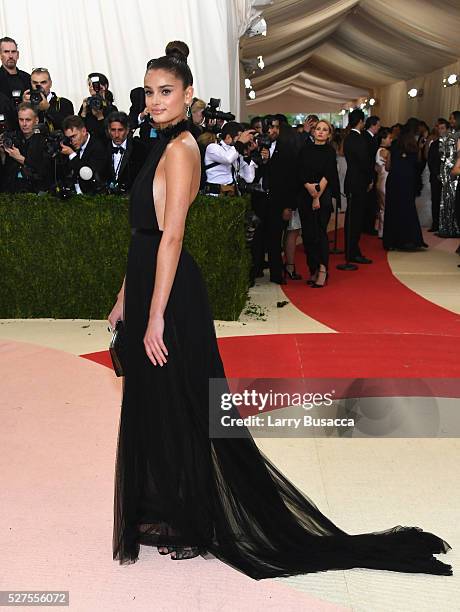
[117, 38]
[348, 46]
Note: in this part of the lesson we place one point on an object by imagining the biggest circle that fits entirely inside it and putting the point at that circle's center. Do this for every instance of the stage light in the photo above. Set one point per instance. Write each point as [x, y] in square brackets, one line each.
[362, 106]
[261, 62]
[372, 102]
[412, 93]
[343, 111]
[247, 83]
[452, 79]
[259, 27]
[252, 94]
[351, 109]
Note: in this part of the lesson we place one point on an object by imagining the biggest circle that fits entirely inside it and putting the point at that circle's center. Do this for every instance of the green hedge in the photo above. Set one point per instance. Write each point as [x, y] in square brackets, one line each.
[66, 259]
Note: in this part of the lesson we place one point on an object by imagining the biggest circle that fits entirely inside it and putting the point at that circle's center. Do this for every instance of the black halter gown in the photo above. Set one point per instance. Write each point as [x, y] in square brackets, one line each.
[174, 486]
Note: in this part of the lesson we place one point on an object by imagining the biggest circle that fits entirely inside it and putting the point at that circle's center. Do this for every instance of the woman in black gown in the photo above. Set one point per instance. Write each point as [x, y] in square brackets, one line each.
[175, 488]
[401, 227]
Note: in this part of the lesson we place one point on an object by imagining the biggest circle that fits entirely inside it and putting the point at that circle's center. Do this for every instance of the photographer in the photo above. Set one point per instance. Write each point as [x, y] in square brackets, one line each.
[125, 154]
[26, 167]
[97, 106]
[224, 161]
[13, 82]
[52, 109]
[86, 157]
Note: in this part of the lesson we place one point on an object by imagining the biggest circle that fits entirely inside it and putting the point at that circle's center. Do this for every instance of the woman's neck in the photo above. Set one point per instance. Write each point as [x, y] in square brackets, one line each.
[320, 142]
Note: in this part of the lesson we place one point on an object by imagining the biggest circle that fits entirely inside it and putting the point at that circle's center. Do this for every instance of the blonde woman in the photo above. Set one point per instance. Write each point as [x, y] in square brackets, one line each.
[319, 176]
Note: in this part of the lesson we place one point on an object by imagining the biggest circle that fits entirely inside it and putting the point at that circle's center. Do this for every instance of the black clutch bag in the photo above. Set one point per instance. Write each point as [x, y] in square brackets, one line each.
[117, 348]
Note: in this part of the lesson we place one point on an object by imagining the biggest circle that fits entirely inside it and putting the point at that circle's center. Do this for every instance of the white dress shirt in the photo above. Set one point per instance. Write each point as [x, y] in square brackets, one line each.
[117, 157]
[227, 158]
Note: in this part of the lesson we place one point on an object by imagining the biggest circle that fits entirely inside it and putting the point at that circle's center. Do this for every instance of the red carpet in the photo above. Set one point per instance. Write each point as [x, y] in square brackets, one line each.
[335, 356]
[388, 331]
[369, 300]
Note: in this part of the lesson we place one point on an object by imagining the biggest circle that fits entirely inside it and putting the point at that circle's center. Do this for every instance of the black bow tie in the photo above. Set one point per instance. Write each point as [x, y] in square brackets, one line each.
[116, 150]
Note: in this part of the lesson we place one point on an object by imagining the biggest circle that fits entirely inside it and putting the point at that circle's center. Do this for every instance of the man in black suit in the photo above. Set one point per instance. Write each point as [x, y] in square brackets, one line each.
[434, 165]
[371, 129]
[52, 109]
[13, 82]
[278, 174]
[358, 182]
[125, 154]
[86, 157]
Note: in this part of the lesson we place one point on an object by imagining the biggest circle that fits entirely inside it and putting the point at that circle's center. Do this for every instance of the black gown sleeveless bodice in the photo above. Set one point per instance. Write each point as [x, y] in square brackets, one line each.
[176, 486]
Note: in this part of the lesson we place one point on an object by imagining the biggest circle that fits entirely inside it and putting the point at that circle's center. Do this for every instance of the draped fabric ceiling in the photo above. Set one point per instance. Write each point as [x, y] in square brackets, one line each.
[322, 54]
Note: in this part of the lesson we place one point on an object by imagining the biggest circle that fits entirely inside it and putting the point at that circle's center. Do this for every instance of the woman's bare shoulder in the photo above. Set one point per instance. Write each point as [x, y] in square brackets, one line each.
[183, 147]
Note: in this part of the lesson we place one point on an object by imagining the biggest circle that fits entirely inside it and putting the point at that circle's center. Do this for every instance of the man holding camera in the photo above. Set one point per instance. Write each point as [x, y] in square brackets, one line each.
[27, 168]
[13, 82]
[277, 174]
[52, 109]
[224, 161]
[86, 157]
[125, 154]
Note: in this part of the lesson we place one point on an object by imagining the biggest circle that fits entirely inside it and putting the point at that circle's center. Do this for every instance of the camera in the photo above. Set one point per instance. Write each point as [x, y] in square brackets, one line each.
[244, 187]
[116, 188]
[96, 102]
[36, 95]
[211, 112]
[10, 140]
[16, 94]
[53, 142]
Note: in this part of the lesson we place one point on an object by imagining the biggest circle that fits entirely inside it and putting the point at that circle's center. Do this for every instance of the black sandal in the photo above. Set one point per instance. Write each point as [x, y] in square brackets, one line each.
[184, 552]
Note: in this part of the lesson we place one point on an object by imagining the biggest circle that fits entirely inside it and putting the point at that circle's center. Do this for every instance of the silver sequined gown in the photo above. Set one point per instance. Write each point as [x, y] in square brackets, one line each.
[448, 227]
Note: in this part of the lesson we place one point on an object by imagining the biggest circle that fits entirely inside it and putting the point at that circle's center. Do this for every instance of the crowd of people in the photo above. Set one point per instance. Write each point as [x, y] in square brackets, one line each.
[295, 175]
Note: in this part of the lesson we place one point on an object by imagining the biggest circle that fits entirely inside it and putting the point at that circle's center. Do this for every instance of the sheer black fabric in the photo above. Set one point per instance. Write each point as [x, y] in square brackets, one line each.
[174, 487]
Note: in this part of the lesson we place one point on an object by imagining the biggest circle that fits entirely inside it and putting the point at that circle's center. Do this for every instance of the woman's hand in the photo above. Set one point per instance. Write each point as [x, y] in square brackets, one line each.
[116, 314]
[315, 204]
[153, 340]
[310, 187]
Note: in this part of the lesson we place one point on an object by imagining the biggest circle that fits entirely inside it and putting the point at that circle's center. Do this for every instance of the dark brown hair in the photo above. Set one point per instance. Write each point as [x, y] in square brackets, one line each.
[174, 61]
[73, 121]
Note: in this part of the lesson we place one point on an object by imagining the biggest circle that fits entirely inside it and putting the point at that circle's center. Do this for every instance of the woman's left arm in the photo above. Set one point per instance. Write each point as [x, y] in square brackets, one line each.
[179, 167]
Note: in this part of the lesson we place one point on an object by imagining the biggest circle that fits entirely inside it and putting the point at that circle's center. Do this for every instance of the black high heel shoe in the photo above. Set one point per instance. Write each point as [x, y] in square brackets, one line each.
[292, 275]
[314, 277]
[322, 278]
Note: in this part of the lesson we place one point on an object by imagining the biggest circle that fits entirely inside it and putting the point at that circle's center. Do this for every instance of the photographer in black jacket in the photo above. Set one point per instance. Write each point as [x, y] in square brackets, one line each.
[13, 82]
[86, 157]
[52, 109]
[98, 105]
[26, 168]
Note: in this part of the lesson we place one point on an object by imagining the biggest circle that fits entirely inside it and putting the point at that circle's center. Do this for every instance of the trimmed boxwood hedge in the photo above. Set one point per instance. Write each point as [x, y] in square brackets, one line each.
[66, 259]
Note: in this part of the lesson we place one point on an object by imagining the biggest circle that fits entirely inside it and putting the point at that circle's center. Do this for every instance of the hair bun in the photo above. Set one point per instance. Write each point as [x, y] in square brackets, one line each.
[177, 49]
